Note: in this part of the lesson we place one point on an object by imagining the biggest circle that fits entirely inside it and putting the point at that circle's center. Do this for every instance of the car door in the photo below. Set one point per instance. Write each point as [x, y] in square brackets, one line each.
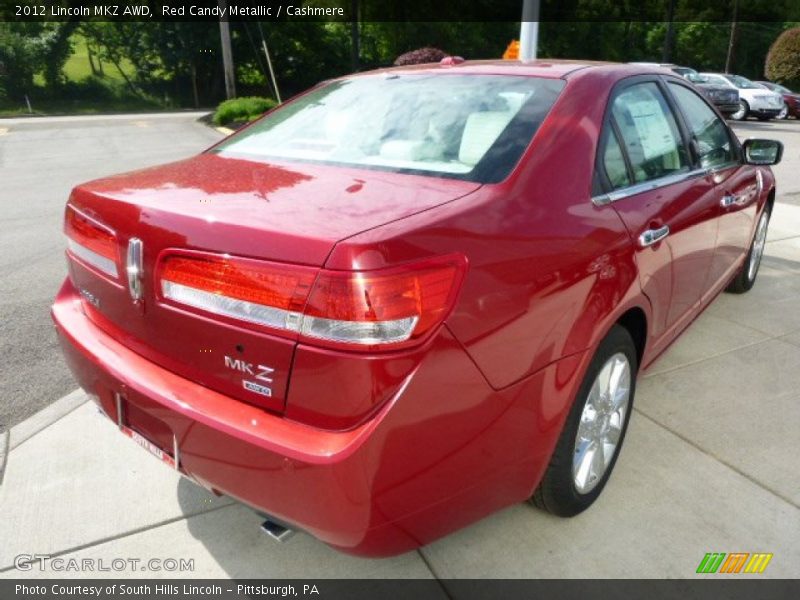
[738, 185]
[667, 203]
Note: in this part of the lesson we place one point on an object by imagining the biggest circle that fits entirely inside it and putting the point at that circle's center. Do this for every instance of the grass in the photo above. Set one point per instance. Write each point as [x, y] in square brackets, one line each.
[114, 97]
[77, 67]
[242, 110]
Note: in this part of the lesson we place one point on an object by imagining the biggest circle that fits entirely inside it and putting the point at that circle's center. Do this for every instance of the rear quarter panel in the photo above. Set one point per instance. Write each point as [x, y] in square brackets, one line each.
[548, 271]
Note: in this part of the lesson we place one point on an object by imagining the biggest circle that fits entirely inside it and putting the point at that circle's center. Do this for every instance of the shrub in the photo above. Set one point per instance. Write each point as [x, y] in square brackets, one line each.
[420, 56]
[783, 59]
[242, 109]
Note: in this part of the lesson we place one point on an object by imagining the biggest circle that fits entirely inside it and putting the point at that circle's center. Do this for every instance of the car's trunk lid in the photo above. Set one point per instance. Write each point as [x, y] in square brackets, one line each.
[290, 213]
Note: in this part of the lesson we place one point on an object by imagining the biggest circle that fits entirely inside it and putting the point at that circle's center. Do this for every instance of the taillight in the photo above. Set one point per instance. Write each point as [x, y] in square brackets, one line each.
[365, 310]
[91, 242]
[266, 294]
[375, 308]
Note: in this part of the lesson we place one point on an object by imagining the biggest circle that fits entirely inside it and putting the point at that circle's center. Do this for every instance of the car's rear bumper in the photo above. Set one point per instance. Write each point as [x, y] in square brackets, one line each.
[443, 452]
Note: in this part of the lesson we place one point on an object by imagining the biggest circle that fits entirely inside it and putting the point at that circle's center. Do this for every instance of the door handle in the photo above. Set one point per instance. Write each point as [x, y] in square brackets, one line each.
[653, 236]
[727, 201]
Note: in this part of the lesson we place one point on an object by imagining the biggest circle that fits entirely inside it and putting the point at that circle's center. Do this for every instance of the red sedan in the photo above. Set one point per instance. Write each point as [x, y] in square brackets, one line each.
[791, 100]
[409, 298]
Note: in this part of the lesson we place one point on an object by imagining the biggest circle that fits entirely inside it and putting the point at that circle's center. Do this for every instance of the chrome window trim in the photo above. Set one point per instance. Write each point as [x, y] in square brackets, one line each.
[646, 186]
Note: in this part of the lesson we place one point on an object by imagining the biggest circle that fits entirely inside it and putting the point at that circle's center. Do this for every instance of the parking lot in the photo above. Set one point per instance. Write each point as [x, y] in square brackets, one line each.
[709, 464]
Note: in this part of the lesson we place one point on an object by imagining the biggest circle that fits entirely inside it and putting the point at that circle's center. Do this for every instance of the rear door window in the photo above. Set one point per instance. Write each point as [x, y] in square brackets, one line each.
[614, 163]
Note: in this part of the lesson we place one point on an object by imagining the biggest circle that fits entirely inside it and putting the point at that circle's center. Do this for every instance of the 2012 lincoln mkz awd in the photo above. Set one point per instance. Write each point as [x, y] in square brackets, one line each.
[409, 298]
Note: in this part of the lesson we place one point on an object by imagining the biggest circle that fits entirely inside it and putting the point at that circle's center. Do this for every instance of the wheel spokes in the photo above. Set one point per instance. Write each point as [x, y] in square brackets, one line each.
[620, 383]
[584, 460]
[615, 429]
[602, 419]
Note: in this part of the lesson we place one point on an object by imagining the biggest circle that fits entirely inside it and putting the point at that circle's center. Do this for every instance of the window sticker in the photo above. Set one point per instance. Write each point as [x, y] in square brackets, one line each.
[654, 131]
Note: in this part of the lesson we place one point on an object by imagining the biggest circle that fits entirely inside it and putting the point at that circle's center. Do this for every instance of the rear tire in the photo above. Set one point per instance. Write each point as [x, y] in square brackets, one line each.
[746, 277]
[599, 416]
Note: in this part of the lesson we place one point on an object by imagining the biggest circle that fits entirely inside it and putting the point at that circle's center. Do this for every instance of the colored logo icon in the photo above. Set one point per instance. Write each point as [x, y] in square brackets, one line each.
[735, 562]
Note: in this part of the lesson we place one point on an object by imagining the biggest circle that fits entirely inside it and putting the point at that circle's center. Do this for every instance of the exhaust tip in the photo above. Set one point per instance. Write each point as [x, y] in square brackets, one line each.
[276, 531]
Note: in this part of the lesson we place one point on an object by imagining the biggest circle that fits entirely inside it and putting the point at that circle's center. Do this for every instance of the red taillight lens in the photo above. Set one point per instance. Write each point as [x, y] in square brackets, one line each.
[267, 294]
[373, 308]
[276, 286]
[343, 309]
[91, 242]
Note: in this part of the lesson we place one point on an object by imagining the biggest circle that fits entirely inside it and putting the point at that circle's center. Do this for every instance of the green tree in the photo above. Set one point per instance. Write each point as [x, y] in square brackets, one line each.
[117, 41]
[59, 50]
[25, 49]
[783, 61]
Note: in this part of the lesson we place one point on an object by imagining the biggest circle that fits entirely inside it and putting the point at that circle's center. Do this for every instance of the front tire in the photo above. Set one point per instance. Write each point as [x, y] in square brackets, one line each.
[746, 277]
[784, 114]
[741, 114]
[594, 431]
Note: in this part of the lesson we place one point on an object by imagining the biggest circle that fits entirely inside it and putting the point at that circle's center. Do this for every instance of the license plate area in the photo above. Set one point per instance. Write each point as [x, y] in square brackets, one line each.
[142, 440]
[149, 446]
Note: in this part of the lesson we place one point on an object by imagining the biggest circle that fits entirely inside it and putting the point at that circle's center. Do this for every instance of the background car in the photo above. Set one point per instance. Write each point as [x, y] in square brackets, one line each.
[753, 99]
[791, 99]
[725, 98]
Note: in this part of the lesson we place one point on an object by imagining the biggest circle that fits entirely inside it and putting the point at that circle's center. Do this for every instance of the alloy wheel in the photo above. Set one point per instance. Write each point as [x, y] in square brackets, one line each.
[601, 423]
[759, 241]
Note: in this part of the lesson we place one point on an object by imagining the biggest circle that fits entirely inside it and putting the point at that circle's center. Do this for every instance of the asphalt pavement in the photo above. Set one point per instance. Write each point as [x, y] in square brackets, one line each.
[41, 160]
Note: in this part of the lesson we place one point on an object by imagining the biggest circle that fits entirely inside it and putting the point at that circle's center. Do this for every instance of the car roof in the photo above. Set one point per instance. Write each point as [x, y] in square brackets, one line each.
[546, 68]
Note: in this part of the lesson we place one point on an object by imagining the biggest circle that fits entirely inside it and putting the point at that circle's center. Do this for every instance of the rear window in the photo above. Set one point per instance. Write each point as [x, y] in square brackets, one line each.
[472, 127]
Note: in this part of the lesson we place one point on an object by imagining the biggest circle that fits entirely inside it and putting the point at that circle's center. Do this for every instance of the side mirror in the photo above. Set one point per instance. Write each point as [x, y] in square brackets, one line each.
[762, 152]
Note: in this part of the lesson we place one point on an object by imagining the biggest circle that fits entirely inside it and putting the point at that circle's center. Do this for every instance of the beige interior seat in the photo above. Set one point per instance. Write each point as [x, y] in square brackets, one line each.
[480, 132]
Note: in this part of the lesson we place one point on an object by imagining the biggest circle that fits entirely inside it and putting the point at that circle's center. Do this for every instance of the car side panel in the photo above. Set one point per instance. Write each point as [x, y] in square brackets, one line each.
[736, 221]
[674, 272]
[547, 268]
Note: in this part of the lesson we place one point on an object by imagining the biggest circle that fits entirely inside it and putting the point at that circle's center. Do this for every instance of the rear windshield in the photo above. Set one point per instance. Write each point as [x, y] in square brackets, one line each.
[472, 127]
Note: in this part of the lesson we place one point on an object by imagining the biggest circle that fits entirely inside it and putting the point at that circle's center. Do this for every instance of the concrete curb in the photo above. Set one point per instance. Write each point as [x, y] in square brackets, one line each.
[44, 418]
[224, 130]
[3, 453]
[45, 119]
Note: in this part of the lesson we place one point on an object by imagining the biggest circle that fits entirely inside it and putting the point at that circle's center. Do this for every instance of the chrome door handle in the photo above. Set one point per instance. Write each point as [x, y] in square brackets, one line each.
[727, 200]
[653, 236]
